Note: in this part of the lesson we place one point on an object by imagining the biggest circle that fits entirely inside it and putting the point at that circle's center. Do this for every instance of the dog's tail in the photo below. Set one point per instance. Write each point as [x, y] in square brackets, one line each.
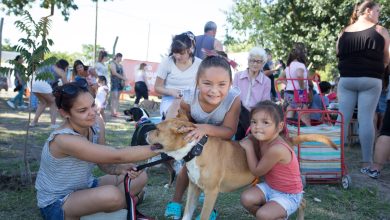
[313, 137]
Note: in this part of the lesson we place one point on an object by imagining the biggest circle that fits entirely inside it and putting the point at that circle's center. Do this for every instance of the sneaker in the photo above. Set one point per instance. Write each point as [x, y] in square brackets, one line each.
[365, 170]
[374, 174]
[173, 211]
[11, 104]
[22, 107]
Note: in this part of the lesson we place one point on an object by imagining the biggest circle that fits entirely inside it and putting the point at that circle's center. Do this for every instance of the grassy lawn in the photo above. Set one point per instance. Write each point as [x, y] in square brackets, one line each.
[367, 199]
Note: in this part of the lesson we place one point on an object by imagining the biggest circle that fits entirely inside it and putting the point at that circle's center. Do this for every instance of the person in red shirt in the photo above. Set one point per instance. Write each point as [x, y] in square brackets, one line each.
[269, 155]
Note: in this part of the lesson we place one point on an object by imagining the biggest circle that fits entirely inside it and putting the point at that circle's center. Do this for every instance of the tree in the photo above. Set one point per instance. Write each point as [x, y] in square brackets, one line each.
[277, 24]
[32, 48]
[17, 7]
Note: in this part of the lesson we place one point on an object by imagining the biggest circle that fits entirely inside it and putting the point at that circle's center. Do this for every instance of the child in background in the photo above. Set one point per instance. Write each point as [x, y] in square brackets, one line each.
[332, 96]
[102, 96]
[317, 100]
[215, 107]
[281, 193]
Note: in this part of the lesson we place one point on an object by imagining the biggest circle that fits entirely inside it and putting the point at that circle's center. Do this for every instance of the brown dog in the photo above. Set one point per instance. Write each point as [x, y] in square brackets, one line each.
[221, 166]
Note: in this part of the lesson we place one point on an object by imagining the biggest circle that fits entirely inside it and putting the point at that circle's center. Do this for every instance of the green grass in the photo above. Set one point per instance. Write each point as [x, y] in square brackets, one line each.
[363, 201]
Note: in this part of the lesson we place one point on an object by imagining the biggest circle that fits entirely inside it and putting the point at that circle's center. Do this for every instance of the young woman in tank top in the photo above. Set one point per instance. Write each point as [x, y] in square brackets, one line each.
[363, 53]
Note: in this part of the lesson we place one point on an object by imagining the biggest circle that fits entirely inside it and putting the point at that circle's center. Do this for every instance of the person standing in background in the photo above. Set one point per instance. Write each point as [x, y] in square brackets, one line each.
[141, 84]
[100, 66]
[20, 86]
[270, 71]
[117, 82]
[43, 91]
[207, 41]
[363, 52]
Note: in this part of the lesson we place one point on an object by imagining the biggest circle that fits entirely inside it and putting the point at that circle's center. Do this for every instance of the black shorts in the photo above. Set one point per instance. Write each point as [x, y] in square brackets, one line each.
[386, 121]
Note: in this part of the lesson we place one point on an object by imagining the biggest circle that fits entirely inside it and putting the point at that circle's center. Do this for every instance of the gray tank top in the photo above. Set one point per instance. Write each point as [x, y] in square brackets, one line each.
[215, 117]
[203, 41]
[58, 177]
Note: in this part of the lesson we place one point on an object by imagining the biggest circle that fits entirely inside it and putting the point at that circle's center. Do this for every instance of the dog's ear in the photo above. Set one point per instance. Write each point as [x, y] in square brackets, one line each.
[182, 115]
[181, 127]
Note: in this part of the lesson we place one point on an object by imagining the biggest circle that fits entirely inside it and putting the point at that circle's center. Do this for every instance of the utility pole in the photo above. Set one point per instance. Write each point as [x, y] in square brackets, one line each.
[147, 48]
[1, 37]
[96, 26]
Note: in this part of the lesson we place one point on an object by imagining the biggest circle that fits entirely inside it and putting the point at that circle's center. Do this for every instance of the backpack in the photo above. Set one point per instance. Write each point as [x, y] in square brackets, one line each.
[139, 135]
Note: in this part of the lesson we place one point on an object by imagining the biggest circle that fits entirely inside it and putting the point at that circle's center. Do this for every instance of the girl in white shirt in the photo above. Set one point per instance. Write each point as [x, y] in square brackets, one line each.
[102, 96]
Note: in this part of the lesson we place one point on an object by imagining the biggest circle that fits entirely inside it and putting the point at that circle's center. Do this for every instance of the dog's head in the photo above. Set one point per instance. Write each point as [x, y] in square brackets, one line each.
[136, 113]
[169, 136]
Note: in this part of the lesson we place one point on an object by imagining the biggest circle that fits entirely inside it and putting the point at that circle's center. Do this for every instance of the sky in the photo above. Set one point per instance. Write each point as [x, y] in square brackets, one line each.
[144, 27]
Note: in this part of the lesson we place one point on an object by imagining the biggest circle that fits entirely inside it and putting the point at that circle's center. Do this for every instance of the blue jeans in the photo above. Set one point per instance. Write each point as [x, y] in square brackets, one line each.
[18, 99]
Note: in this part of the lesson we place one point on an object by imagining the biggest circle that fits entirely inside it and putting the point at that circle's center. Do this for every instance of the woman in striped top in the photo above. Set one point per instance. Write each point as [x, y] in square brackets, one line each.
[66, 188]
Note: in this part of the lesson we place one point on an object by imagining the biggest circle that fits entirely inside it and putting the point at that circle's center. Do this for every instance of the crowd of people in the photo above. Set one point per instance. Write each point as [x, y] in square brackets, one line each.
[201, 84]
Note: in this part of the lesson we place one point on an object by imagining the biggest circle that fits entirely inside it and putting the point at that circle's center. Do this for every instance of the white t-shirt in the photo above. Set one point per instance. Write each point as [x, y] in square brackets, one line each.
[291, 73]
[101, 94]
[175, 78]
[102, 70]
[139, 76]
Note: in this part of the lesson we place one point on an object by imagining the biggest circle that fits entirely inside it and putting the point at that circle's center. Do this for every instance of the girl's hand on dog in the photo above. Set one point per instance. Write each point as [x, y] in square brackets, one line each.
[196, 133]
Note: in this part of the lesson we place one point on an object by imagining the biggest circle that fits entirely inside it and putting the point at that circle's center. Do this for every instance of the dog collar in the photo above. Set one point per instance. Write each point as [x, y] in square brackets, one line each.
[196, 150]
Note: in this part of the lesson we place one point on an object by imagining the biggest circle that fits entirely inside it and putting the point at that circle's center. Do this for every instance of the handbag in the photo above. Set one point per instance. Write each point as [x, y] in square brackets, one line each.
[300, 95]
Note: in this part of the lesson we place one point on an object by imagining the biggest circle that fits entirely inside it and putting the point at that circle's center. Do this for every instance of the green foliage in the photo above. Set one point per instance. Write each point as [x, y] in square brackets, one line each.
[278, 24]
[32, 47]
[6, 46]
[17, 7]
[87, 55]
[63, 55]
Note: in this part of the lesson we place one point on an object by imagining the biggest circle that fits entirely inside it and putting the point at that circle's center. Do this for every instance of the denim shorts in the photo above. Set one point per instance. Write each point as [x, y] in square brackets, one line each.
[381, 107]
[290, 202]
[54, 211]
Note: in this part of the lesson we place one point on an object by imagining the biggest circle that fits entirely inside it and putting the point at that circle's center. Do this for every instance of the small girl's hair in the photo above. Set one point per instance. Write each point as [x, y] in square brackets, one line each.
[360, 8]
[102, 79]
[214, 61]
[272, 109]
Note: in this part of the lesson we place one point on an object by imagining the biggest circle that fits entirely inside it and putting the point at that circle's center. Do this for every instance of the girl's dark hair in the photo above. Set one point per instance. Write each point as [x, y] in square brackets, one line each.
[62, 64]
[183, 42]
[283, 64]
[142, 66]
[273, 110]
[64, 99]
[103, 79]
[102, 55]
[17, 57]
[118, 55]
[75, 64]
[213, 61]
[360, 8]
[297, 53]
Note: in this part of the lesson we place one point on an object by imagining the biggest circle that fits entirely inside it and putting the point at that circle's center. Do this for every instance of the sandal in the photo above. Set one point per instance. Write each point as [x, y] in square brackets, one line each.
[140, 197]
[173, 210]
[213, 215]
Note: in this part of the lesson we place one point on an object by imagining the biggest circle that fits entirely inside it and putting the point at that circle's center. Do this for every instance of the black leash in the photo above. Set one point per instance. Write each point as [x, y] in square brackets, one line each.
[164, 157]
